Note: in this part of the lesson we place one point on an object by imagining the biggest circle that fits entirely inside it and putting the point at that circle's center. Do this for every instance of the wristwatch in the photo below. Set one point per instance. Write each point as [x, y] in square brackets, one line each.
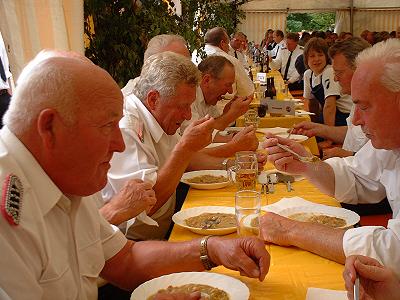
[205, 260]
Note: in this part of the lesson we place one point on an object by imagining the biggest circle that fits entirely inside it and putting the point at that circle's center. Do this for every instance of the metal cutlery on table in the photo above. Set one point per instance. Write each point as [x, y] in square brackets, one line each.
[306, 159]
[356, 288]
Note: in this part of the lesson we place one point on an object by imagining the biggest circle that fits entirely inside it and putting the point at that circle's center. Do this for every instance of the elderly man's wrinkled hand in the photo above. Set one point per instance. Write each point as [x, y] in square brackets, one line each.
[245, 140]
[239, 105]
[274, 229]
[246, 255]
[135, 196]
[178, 296]
[283, 160]
[309, 129]
[198, 134]
[376, 281]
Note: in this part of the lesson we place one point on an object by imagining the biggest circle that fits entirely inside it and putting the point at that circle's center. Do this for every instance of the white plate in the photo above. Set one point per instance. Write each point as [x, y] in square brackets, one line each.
[180, 217]
[349, 216]
[206, 186]
[236, 289]
[295, 137]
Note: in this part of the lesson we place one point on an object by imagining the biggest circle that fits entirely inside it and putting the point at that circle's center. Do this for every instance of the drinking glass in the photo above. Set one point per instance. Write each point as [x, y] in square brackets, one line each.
[247, 210]
[244, 172]
[251, 118]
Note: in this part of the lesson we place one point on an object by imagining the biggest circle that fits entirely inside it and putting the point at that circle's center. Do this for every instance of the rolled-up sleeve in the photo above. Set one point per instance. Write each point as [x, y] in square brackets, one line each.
[377, 242]
[357, 177]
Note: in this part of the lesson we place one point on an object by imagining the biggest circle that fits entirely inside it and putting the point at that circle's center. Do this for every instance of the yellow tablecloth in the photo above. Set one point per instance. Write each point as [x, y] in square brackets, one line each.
[292, 270]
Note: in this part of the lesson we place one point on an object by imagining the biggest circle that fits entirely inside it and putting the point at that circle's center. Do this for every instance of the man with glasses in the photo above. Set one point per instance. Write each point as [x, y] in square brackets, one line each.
[236, 47]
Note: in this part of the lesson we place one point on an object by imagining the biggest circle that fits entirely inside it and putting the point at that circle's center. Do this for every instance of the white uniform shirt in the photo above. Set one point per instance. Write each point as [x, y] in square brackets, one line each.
[275, 51]
[200, 109]
[240, 56]
[4, 59]
[331, 88]
[148, 147]
[61, 244]
[366, 178]
[243, 85]
[281, 60]
[355, 137]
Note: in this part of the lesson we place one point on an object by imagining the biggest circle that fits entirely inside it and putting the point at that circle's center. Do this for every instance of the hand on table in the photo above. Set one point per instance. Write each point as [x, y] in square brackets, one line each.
[335, 152]
[309, 129]
[178, 296]
[376, 281]
[246, 255]
[274, 229]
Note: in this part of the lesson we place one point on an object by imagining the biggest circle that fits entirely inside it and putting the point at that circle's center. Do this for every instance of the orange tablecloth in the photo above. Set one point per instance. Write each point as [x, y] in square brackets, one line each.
[292, 270]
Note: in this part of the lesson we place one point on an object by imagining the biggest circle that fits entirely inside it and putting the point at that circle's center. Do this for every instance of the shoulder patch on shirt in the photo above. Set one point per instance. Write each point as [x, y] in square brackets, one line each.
[11, 199]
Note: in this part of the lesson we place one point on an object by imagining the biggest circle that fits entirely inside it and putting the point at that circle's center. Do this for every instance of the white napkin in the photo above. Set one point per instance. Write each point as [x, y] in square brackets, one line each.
[318, 294]
[303, 113]
[286, 203]
[142, 217]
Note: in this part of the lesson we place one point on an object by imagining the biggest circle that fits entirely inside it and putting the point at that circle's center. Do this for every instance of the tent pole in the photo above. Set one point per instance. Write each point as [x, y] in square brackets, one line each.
[351, 15]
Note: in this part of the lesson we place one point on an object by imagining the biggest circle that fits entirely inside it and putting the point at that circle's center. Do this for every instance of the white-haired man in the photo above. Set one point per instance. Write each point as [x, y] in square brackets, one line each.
[374, 172]
[161, 101]
[56, 147]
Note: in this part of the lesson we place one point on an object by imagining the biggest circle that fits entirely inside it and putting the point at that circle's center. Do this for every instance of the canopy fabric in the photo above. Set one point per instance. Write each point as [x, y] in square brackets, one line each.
[367, 14]
[29, 26]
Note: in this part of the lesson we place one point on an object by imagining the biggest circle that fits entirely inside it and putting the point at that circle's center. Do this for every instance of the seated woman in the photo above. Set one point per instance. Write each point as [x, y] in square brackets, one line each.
[320, 86]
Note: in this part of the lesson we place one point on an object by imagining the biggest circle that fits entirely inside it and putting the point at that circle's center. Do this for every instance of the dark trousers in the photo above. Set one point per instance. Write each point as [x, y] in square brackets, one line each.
[5, 99]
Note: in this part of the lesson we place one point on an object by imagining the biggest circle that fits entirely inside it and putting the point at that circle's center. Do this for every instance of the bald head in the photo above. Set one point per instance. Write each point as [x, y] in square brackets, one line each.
[166, 42]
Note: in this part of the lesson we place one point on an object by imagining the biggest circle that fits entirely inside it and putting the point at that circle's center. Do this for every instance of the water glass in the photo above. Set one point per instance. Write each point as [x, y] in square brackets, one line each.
[247, 210]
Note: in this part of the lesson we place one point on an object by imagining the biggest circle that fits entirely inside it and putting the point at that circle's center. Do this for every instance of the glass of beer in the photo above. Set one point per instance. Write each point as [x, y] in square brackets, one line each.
[251, 118]
[244, 172]
[247, 210]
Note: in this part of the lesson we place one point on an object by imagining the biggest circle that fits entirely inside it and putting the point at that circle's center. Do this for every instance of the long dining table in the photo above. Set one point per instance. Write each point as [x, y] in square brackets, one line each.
[292, 270]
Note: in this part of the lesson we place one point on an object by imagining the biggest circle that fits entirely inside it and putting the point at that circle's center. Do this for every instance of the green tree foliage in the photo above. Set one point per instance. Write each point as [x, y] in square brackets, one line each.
[121, 29]
[297, 22]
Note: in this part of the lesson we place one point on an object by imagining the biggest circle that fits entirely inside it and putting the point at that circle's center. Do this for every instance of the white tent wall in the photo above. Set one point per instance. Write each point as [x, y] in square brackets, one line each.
[367, 14]
[29, 26]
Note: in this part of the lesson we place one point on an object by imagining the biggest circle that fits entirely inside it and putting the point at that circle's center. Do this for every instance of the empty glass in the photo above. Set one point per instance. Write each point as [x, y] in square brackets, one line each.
[247, 210]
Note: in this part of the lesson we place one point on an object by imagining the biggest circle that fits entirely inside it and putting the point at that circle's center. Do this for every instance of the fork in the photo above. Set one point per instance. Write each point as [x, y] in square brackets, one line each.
[306, 159]
[290, 133]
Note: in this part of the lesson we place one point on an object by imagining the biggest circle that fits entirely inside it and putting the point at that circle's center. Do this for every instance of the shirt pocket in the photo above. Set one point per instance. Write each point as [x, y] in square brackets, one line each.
[91, 262]
[58, 283]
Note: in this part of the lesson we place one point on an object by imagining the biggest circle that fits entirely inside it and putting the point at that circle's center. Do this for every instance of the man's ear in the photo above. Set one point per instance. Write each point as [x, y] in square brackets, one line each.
[206, 79]
[152, 99]
[46, 126]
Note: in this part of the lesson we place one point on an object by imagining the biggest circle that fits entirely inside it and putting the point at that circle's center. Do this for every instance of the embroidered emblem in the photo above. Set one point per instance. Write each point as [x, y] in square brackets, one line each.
[11, 200]
[140, 131]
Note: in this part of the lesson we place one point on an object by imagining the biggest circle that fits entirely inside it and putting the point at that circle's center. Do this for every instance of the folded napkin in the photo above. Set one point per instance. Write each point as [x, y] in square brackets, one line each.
[141, 217]
[286, 203]
[318, 294]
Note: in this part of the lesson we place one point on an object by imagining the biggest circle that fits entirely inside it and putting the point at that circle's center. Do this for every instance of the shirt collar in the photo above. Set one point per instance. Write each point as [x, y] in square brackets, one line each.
[30, 172]
[135, 105]
[210, 49]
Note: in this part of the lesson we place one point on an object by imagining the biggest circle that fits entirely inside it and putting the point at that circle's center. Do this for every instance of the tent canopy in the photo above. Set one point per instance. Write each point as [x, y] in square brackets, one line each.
[351, 15]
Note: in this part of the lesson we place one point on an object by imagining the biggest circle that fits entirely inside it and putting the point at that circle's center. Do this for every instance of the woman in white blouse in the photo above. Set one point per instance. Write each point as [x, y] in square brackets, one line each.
[319, 84]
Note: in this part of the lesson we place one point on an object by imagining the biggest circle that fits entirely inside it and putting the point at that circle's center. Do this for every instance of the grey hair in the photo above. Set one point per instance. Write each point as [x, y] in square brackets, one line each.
[163, 72]
[386, 55]
[349, 48]
[41, 84]
[214, 65]
[158, 43]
